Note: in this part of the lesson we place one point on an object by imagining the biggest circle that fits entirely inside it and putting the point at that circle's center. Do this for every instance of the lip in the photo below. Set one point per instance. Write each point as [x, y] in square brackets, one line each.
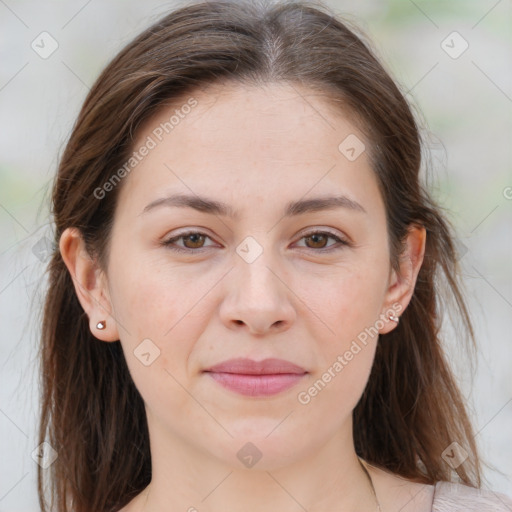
[250, 367]
[256, 378]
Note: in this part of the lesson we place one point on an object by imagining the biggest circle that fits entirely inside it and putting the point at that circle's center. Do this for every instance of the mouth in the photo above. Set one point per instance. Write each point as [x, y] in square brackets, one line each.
[256, 378]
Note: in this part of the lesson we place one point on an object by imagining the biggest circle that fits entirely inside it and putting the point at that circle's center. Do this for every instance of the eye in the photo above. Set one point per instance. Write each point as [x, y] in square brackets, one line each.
[194, 241]
[319, 239]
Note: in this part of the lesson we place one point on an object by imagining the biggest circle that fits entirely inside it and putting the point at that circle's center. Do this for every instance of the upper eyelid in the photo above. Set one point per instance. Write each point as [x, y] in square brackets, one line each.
[309, 231]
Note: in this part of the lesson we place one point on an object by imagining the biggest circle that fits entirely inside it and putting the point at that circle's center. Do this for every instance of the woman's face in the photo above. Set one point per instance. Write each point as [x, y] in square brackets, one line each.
[273, 273]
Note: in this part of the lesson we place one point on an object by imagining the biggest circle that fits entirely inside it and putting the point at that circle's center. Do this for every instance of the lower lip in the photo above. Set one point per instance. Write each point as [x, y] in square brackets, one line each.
[257, 385]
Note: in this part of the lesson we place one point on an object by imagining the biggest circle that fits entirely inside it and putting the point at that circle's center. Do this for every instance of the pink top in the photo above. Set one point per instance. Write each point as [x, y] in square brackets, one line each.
[454, 497]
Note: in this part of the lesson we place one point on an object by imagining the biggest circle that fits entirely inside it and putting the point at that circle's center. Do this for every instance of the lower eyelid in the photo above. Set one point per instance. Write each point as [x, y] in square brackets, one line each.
[339, 240]
[169, 243]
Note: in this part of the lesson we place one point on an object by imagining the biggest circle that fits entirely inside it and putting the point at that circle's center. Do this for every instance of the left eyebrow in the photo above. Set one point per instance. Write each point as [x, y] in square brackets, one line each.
[293, 208]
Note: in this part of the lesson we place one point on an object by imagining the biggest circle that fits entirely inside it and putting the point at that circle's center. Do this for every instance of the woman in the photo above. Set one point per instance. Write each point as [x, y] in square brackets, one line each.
[243, 308]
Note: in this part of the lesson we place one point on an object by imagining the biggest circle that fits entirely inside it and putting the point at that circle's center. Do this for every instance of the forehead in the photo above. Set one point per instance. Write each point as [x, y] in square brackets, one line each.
[277, 140]
[271, 115]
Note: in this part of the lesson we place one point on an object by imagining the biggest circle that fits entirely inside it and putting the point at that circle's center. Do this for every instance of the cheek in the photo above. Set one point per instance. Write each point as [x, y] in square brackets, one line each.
[350, 304]
[149, 297]
[170, 309]
[348, 299]
[351, 307]
[161, 326]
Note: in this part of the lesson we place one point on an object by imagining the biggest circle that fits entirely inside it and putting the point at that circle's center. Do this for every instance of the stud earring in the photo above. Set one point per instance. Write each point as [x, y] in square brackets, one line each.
[101, 325]
[394, 318]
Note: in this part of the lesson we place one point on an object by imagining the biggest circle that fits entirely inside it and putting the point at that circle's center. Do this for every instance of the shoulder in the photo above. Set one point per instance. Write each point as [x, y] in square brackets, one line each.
[456, 497]
[398, 494]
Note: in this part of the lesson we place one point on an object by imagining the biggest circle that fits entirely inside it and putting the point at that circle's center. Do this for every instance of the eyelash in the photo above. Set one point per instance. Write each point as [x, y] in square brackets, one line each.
[168, 243]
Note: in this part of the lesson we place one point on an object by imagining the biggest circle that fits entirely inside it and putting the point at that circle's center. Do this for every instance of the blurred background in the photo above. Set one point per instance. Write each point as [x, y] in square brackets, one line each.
[452, 59]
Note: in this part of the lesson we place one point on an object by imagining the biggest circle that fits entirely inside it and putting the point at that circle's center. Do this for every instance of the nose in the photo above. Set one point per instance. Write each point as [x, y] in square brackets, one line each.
[257, 298]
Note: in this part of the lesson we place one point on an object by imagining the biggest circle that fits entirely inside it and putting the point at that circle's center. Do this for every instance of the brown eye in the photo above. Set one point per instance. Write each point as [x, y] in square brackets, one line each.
[319, 240]
[193, 241]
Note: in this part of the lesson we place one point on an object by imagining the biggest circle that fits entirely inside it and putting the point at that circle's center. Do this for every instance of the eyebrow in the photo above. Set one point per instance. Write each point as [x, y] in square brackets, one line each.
[293, 208]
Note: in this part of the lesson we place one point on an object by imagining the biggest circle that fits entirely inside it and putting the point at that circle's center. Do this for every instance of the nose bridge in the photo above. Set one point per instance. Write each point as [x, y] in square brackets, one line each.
[256, 295]
[253, 269]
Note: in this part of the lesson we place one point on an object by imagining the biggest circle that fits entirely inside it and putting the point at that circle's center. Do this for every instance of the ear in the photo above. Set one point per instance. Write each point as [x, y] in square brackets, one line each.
[401, 284]
[90, 284]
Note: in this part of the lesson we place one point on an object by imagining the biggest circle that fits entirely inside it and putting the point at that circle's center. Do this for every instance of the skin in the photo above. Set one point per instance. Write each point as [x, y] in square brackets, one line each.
[255, 148]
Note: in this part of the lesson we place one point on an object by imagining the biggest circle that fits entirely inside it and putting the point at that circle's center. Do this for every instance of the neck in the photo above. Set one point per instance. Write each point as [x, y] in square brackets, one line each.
[329, 477]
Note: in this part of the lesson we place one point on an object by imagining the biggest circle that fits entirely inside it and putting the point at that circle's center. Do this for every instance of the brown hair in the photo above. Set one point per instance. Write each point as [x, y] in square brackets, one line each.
[91, 411]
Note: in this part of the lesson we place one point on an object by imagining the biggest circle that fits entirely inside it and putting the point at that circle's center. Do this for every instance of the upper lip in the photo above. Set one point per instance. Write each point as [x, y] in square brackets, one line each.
[250, 367]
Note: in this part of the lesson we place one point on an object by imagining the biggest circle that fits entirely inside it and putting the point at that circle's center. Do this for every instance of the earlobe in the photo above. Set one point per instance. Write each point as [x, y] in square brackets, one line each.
[402, 283]
[90, 285]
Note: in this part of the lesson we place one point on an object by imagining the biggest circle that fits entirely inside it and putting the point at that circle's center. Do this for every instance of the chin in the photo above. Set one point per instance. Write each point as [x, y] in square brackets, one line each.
[259, 445]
